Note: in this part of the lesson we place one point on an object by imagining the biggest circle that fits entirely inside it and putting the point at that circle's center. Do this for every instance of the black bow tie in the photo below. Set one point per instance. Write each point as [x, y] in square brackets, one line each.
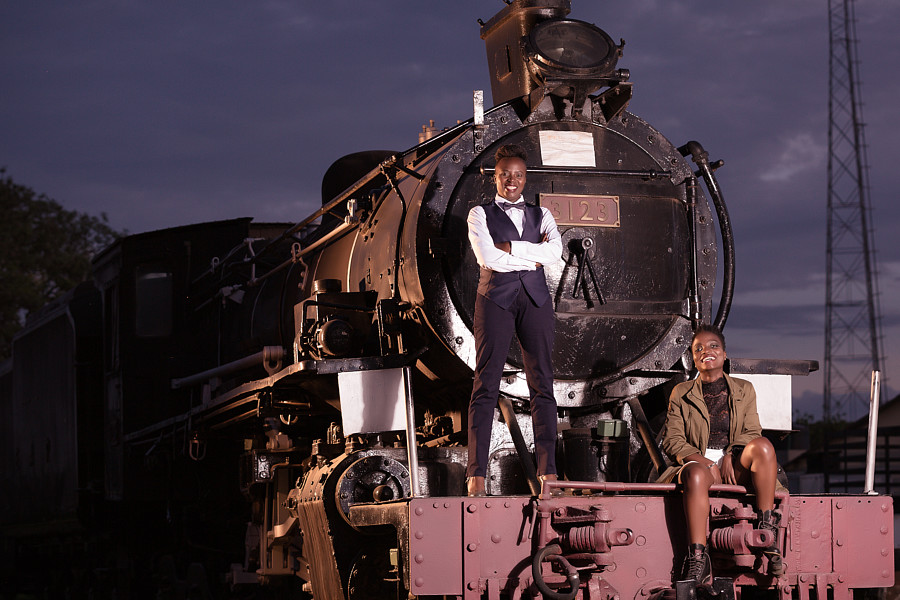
[509, 205]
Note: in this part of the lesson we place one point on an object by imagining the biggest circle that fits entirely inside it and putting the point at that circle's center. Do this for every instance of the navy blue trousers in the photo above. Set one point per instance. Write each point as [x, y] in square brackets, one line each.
[494, 328]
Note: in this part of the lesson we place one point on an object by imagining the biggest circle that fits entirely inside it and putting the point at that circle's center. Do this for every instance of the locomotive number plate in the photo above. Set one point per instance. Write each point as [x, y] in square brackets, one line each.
[582, 210]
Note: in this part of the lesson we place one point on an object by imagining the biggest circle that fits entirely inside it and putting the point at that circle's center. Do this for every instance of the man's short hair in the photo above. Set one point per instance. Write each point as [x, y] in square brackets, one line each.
[510, 151]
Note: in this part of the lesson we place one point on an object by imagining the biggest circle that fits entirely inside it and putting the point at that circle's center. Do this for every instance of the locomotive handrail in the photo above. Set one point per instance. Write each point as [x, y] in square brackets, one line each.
[395, 161]
[362, 181]
[650, 174]
[266, 355]
[297, 255]
[619, 486]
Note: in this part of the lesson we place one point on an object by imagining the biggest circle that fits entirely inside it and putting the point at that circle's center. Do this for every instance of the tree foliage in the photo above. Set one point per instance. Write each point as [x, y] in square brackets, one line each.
[45, 250]
[819, 429]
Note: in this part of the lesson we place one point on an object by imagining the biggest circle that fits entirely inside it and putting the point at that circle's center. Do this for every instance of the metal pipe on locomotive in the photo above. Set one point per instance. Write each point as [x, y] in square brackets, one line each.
[327, 359]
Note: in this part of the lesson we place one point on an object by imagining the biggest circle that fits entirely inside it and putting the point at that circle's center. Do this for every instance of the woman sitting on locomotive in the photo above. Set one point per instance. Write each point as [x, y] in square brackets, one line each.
[713, 436]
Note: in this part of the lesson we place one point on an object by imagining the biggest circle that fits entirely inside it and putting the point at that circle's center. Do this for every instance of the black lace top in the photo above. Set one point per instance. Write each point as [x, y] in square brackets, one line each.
[715, 395]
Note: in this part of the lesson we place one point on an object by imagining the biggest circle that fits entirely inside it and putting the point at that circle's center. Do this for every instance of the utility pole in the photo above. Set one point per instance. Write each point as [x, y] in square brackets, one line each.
[852, 320]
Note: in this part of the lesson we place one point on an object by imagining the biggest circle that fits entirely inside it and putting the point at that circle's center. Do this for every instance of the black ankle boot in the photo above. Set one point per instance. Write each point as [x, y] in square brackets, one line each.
[696, 565]
[768, 520]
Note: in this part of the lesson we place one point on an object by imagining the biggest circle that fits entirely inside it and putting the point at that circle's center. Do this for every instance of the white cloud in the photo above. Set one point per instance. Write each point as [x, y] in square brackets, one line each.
[799, 153]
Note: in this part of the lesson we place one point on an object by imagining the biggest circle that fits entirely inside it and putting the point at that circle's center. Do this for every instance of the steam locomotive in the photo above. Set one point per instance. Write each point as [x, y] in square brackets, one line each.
[234, 409]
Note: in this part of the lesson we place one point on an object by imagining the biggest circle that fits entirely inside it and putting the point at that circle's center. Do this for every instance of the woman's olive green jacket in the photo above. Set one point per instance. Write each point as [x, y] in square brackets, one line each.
[687, 421]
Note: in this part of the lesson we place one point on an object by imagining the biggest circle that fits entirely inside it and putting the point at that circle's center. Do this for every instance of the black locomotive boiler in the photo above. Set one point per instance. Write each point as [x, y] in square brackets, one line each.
[241, 409]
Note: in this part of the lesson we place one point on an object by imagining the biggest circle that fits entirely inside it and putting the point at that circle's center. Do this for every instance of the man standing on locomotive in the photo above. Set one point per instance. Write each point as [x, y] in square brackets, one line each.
[511, 241]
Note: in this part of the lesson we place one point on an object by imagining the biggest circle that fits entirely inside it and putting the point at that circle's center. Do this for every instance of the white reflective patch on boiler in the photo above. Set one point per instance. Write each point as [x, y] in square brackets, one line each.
[567, 148]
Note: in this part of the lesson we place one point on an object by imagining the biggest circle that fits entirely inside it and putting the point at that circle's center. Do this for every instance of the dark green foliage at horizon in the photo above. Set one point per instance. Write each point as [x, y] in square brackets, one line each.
[819, 429]
[45, 250]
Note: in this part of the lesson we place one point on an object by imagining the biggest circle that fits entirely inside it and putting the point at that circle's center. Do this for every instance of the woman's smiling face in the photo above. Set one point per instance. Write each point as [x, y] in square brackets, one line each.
[708, 352]
[509, 175]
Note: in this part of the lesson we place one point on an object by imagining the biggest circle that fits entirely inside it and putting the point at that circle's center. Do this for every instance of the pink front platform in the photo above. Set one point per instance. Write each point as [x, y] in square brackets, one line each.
[628, 545]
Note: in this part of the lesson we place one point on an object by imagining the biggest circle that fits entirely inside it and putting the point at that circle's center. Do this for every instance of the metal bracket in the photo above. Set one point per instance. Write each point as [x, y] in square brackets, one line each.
[582, 250]
[478, 125]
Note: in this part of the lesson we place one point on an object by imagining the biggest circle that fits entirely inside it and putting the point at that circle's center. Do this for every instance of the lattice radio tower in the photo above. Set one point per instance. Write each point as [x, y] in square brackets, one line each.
[852, 319]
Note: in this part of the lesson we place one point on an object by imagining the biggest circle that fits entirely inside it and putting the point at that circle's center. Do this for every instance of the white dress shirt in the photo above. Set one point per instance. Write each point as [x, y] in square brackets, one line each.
[523, 256]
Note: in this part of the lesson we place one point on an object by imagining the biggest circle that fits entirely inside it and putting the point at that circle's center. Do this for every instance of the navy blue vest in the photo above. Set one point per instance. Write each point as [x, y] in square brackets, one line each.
[502, 288]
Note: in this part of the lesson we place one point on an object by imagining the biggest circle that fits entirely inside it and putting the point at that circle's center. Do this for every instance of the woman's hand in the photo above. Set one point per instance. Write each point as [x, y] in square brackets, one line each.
[714, 471]
[728, 470]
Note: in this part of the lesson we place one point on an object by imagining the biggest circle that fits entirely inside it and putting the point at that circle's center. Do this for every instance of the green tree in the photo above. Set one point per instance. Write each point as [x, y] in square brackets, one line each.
[45, 250]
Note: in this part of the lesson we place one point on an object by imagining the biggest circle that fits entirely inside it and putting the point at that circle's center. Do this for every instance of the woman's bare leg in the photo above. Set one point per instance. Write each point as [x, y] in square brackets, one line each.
[696, 479]
[758, 467]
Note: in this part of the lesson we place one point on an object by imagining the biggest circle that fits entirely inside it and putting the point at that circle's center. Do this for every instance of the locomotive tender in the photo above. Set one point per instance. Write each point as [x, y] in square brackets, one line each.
[283, 407]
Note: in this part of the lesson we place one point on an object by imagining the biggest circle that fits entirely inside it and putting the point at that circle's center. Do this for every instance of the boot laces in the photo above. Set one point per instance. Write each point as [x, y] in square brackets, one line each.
[769, 522]
[696, 566]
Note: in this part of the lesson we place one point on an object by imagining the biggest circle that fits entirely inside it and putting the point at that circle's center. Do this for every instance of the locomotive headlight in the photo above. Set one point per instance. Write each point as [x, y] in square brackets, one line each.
[569, 49]
[335, 337]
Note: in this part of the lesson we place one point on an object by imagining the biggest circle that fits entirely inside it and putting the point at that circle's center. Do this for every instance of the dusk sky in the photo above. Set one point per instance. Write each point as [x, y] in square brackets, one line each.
[169, 113]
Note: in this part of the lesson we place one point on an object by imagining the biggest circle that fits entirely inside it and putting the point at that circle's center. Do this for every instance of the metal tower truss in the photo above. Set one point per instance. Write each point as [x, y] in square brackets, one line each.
[852, 317]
